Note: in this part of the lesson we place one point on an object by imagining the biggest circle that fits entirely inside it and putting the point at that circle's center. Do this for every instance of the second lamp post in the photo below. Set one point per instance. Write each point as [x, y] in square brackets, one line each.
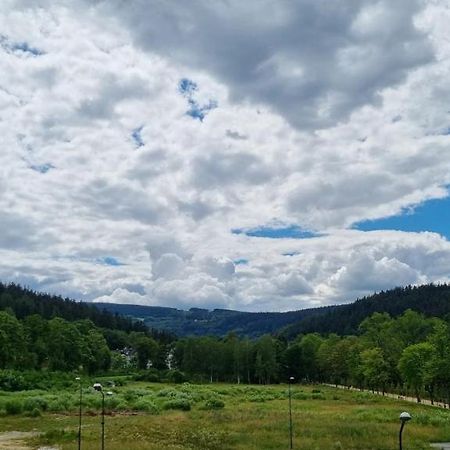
[291, 379]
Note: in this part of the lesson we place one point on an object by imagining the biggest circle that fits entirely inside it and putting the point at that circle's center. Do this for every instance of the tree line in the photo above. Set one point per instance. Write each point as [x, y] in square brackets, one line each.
[409, 353]
[432, 300]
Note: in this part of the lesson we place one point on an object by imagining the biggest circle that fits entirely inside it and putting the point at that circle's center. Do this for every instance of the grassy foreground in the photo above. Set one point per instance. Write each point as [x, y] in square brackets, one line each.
[225, 417]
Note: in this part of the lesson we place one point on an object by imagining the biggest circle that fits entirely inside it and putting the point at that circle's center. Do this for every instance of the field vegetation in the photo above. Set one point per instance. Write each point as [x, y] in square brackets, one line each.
[158, 416]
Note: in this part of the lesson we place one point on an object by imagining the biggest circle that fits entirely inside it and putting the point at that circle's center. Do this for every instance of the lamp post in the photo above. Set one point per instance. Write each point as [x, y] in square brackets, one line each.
[291, 379]
[98, 387]
[79, 414]
[404, 417]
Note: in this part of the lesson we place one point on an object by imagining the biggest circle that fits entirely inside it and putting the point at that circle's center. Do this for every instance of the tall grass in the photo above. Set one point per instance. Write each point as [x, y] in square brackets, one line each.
[149, 416]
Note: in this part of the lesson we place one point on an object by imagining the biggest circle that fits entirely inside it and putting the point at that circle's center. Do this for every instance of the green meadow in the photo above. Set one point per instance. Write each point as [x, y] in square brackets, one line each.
[158, 416]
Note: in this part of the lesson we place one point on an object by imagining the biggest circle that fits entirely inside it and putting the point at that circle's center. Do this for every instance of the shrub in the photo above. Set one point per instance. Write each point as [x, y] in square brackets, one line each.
[175, 376]
[58, 405]
[179, 403]
[168, 393]
[146, 406]
[122, 406]
[300, 396]
[317, 397]
[60, 435]
[34, 413]
[213, 403]
[151, 375]
[35, 403]
[130, 395]
[13, 407]
[11, 381]
[257, 398]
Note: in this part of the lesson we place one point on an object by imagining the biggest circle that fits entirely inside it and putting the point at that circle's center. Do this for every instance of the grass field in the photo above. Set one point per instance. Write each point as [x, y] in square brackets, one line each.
[155, 416]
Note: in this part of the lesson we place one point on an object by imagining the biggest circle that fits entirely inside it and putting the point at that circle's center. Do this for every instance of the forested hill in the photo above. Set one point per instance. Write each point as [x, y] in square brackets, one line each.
[202, 322]
[25, 302]
[430, 300]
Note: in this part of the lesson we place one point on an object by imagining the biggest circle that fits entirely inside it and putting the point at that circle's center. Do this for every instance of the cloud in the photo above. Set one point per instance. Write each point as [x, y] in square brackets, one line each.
[364, 273]
[123, 296]
[218, 169]
[328, 115]
[168, 266]
[312, 62]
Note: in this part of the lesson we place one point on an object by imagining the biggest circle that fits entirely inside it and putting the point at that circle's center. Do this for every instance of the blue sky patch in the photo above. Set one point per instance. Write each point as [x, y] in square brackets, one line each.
[196, 110]
[287, 232]
[110, 261]
[19, 47]
[26, 48]
[187, 87]
[42, 168]
[137, 137]
[241, 261]
[433, 215]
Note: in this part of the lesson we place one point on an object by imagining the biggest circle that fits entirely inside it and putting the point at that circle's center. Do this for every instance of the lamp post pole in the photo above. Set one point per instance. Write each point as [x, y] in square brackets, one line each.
[79, 413]
[404, 417]
[98, 387]
[290, 414]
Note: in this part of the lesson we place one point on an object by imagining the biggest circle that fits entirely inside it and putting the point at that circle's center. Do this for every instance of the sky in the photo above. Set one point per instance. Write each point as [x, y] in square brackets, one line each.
[266, 155]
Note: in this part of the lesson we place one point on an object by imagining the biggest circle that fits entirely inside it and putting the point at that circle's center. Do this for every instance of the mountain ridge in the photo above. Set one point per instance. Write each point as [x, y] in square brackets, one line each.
[430, 300]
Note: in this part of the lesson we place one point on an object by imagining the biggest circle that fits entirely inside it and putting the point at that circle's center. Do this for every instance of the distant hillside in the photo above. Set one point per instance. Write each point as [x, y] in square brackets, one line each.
[200, 322]
[430, 300]
[25, 302]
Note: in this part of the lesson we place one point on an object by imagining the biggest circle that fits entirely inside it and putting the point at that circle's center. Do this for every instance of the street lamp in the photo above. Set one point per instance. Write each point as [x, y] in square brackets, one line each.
[79, 415]
[291, 379]
[404, 417]
[98, 387]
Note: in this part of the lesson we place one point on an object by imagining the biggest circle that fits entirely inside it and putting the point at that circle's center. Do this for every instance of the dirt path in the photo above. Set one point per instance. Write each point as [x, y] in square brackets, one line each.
[13, 440]
[394, 396]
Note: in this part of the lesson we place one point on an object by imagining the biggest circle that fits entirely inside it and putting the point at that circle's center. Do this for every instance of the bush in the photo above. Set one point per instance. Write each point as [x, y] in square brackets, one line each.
[300, 396]
[213, 403]
[179, 403]
[146, 406]
[111, 402]
[38, 403]
[122, 406]
[13, 407]
[175, 376]
[59, 405]
[130, 395]
[151, 375]
[317, 397]
[34, 413]
[257, 399]
[11, 381]
[168, 393]
[60, 435]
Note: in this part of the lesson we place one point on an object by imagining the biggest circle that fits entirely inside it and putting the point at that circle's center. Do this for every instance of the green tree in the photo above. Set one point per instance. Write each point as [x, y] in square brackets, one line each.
[309, 345]
[439, 363]
[413, 365]
[374, 368]
[266, 359]
[146, 349]
[65, 345]
[13, 345]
